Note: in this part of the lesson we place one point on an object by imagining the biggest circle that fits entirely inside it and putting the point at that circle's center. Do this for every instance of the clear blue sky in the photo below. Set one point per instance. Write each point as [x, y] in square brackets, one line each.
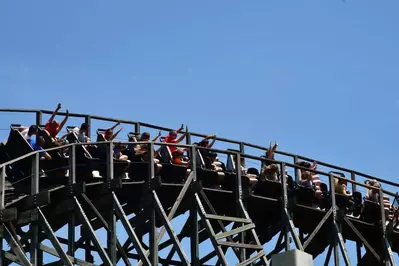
[320, 77]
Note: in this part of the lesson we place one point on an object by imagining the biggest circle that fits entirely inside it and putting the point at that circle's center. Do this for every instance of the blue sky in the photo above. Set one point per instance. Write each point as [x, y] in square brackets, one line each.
[318, 76]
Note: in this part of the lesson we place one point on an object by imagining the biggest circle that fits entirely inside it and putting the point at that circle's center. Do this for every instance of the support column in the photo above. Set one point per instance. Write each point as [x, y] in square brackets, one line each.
[2, 191]
[88, 122]
[111, 232]
[71, 209]
[238, 197]
[334, 215]
[38, 118]
[285, 212]
[386, 256]
[153, 234]
[35, 253]
[194, 244]
[137, 128]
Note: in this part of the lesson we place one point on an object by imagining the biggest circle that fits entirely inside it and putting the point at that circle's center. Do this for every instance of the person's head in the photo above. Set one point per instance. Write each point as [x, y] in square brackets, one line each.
[145, 136]
[304, 164]
[40, 141]
[32, 130]
[173, 134]
[271, 168]
[342, 181]
[120, 146]
[376, 184]
[84, 128]
[108, 134]
[204, 143]
[212, 156]
[55, 124]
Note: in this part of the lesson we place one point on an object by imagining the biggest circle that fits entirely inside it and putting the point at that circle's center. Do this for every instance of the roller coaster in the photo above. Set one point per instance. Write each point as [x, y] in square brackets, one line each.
[232, 215]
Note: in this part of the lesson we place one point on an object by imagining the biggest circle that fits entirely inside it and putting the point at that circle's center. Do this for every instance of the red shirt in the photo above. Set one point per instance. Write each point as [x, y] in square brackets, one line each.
[169, 140]
[52, 128]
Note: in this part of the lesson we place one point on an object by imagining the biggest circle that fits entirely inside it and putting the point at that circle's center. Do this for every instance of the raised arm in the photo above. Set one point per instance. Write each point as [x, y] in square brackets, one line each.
[54, 113]
[114, 126]
[157, 137]
[213, 137]
[63, 122]
[272, 149]
[181, 138]
[116, 134]
[180, 129]
[275, 146]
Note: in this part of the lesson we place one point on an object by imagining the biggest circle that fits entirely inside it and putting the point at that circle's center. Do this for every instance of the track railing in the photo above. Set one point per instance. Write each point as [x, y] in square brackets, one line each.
[241, 145]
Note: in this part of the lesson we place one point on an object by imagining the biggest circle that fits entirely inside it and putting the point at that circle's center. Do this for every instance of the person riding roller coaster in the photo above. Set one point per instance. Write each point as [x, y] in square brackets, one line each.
[109, 134]
[172, 138]
[52, 126]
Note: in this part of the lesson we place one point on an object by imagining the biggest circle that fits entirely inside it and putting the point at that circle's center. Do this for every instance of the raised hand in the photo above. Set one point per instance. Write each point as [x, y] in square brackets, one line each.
[182, 127]
[59, 106]
[314, 165]
[159, 133]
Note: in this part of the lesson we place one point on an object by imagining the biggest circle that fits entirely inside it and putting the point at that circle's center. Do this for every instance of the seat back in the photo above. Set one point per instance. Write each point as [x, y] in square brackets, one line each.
[371, 211]
[132, 137]
[100, 135]
[81, 151]
[47, 138]
[101, 149]
[230, 164]
[70, 129]
[305, 195]
[269, 189]
[165, 155]
[18, 146]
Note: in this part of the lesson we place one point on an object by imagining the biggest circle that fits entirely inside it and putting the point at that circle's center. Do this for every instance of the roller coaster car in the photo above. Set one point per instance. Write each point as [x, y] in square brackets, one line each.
[230, 179]
[139, 169]
[85, 163]
[371, 212]
[268, 188]
[171, 172]
[350, 204]
[119, 165]
[57, 156]
[20, 172]
[305, 195]
[208, 177]
[130, 152]
[3, 153]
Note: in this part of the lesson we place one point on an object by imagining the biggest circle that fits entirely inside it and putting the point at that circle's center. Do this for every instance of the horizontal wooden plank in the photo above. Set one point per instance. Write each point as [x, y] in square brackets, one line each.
[27, 217]
[240, 245]
[68, 191]
[250, 260]
[235, 231]
[53, 252]
[228, 218]
[9, 214]
[31, 202]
